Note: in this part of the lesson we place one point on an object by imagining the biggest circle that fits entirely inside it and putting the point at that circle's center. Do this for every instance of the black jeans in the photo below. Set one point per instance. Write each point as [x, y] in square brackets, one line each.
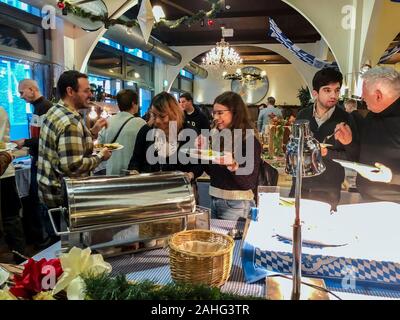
[40, 222]
[10, 208]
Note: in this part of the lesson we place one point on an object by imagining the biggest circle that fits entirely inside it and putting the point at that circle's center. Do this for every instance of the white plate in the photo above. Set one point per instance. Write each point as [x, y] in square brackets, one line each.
[202, 154]
[355, 165]
[97, 149]
[9, 146]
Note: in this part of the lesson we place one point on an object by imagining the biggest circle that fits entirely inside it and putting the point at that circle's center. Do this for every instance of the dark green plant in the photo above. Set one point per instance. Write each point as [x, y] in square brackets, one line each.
[304, 97]
[107, 287]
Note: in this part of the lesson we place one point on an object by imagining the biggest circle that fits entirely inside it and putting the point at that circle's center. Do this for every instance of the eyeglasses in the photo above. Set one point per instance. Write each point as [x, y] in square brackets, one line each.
[219, 112]
[160, 116]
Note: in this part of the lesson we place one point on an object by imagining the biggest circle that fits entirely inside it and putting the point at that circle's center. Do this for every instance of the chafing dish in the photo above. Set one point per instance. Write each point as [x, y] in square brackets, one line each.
[120, 214]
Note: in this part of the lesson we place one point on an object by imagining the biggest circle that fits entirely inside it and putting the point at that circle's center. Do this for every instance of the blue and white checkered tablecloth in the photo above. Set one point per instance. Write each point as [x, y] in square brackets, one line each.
[154, 265]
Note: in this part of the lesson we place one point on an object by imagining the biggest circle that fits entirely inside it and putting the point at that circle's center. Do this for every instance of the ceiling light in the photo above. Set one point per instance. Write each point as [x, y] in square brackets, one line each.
[222, 55]
[137, 75]
[158, 13]
[250, 77]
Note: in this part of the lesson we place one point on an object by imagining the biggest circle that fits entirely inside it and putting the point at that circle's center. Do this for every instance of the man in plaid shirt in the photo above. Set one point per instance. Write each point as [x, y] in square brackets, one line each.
[66, 144]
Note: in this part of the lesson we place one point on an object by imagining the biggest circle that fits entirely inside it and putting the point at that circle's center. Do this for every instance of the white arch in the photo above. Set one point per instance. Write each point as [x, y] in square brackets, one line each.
[305, 71]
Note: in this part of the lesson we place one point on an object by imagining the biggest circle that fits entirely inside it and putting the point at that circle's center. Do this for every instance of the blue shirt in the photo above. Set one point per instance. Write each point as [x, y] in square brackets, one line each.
[263, 117]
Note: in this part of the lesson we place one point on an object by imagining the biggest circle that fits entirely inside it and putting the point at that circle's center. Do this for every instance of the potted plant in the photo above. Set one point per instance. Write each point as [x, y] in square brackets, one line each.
[304, 97]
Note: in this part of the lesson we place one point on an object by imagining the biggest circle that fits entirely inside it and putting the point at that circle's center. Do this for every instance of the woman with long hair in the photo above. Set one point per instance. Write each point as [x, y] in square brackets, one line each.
[234, 174]
[157, 143]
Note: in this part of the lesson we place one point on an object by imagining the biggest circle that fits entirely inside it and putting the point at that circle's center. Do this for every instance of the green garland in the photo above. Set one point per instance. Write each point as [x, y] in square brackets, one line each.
[67, 7]
[106, 287]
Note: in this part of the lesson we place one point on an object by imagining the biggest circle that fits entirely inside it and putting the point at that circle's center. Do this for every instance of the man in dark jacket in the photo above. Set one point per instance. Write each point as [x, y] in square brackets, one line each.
[351, 108]
[324, 116]
[38, 221]
[194, 117]
[380, 139]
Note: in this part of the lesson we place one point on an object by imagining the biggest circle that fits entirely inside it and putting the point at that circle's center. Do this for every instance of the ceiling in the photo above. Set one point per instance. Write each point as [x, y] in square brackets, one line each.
[248, 19]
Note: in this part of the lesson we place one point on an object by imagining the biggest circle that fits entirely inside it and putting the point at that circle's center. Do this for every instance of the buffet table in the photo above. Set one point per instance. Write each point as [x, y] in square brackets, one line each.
[154, 265]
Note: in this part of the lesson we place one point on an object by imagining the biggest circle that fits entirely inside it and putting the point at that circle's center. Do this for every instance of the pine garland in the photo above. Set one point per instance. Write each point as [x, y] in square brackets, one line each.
[106, 287]
[67, 7]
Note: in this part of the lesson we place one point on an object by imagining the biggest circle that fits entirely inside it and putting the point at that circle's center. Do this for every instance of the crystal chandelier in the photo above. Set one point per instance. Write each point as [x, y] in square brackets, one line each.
[222, 56]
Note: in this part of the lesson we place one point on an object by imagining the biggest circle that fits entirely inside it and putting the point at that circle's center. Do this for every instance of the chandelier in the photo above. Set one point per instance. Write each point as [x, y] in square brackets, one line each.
[222, 56]
[250, 77]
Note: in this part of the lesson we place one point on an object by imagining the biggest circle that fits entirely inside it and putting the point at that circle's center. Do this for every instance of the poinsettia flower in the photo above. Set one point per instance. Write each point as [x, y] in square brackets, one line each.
[75, 263]
[30, 282]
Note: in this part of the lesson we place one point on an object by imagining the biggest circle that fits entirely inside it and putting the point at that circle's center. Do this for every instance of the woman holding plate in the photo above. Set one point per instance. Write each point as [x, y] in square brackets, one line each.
[158, 141]
[234, 174]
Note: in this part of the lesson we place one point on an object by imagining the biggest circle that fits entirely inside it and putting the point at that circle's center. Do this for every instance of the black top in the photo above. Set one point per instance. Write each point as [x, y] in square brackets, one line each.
[197, 120]
[358, 120]
[40, 107]
[144, 144]
[332, 178]
[380, 142]
[222, 178]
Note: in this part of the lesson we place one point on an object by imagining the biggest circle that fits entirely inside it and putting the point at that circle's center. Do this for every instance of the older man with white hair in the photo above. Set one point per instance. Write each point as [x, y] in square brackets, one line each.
[380, 138]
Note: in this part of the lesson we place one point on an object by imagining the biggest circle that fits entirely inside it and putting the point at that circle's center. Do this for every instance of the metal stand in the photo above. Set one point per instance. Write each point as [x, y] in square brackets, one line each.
[296, 268]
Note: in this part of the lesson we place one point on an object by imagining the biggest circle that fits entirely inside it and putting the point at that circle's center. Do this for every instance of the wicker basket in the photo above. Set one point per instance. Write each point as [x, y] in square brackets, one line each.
[211, 268]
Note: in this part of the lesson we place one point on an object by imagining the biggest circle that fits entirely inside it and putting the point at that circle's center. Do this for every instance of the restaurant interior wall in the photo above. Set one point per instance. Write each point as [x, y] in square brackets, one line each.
[284, 82]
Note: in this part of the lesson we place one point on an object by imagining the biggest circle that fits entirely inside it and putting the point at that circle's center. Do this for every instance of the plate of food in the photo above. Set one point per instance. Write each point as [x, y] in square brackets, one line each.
[7, 146]
[202, 154]
[355, 165]
[110, 146]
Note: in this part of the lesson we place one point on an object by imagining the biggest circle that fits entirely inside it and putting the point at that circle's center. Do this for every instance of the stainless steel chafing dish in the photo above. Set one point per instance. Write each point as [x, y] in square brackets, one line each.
[116, 215]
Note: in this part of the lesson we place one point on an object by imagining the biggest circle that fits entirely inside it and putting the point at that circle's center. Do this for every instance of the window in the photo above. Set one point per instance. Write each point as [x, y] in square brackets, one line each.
[139, 54]
[22, 6]
[11, 72]
[111, 43]
[186, 74]
[144, 100]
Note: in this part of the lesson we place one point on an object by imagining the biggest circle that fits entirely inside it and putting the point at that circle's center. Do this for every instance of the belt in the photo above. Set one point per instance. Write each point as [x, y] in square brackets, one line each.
[231, 194]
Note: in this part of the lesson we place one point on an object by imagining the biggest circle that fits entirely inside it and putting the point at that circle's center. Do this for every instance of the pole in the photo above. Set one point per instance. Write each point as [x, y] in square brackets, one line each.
[296, 269]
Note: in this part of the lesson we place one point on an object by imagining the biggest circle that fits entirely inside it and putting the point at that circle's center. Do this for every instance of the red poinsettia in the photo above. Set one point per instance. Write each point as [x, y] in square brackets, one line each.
[31, 281]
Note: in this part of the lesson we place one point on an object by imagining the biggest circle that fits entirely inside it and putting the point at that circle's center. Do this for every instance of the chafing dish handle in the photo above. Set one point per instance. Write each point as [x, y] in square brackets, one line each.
[61, 211]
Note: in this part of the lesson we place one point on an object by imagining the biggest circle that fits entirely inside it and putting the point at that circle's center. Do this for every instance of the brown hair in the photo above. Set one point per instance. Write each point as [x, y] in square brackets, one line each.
[240, 113]
[165, 103]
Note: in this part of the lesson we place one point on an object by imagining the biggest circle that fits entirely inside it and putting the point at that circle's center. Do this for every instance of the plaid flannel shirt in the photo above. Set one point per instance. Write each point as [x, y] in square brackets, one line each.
[65, 150]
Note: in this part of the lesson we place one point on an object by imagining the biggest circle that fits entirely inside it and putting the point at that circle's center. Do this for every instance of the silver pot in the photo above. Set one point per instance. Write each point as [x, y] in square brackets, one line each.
[103, 201]
[312, 158]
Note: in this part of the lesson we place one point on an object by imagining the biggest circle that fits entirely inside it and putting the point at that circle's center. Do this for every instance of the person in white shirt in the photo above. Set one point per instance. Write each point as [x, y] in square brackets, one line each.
[9, 200]
[266, 113]
[122, 128]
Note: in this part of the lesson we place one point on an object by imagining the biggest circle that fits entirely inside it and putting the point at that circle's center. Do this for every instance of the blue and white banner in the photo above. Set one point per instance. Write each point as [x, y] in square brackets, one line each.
[389, 53]
[277, 33]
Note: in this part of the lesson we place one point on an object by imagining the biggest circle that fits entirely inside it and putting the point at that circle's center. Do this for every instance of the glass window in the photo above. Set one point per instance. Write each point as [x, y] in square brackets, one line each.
[23, 6]
[175, 84]
[140, 70]
[186, 74]
[139, 54]
[21, 35]
[186, 85]
[111, 43]
[11, 72]
[144, 100]
[106, 61]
